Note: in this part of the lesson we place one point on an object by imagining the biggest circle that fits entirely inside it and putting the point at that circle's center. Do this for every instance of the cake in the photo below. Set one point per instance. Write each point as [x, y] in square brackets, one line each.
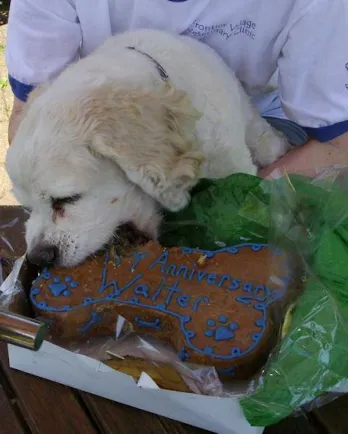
[213, 307]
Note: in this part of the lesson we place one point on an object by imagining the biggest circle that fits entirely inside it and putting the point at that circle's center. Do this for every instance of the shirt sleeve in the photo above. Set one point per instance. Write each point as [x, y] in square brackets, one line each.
[313, 70]
[43, 37]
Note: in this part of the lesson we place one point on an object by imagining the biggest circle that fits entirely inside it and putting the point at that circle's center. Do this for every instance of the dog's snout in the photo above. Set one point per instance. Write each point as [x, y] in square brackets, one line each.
[43, 255]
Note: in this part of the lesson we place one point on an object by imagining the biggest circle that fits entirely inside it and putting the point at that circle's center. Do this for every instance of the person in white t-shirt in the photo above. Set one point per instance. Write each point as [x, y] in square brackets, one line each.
[291, 56]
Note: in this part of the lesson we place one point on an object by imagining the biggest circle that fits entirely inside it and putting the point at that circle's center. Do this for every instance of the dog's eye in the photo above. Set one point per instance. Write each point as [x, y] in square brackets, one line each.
[59, 202]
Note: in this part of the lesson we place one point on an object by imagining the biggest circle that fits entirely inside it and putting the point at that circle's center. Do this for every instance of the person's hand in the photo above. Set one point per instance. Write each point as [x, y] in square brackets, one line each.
[15, 118]
[311, 158]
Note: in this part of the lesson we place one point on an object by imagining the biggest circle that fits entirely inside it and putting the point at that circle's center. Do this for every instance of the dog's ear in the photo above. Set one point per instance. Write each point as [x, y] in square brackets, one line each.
[151, 136]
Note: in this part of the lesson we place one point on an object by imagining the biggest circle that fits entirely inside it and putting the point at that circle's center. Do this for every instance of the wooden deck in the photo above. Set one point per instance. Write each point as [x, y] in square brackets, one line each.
[32, 405]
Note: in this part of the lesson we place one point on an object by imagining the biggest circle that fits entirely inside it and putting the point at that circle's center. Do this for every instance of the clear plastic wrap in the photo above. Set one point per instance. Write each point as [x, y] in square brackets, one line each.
[310, 219]
[12, 250]
[307, 218]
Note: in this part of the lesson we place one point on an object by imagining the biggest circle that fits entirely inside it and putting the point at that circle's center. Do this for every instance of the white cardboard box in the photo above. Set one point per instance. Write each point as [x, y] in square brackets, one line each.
[220, 415]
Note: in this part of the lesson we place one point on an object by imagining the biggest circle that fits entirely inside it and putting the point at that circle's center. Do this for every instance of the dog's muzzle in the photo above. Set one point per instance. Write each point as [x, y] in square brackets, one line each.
[43, 255]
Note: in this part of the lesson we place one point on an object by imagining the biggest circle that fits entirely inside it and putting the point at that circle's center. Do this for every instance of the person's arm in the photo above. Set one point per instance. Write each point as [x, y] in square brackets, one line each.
[15, 118]
[43, 37]
[312, 157]
[313, 86]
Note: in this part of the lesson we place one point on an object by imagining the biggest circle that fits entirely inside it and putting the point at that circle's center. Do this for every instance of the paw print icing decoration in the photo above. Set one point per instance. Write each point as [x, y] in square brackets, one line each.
[220, 330]
[213, 312]
[60, 287]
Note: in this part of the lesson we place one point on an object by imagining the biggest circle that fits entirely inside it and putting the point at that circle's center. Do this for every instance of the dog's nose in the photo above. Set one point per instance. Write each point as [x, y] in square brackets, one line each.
[43, 255]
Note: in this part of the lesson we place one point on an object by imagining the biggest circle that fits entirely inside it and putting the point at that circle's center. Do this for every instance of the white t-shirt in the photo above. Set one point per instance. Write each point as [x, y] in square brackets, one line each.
[302, 44]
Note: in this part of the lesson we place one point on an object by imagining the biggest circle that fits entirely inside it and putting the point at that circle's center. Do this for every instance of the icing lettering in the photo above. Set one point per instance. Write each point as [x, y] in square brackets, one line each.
[211, 279]
[183, 301]
[182, 271]
[201, 275]
[162, 260]
[198, 301]
[223, 279]
[172, 290]
[171, 270]
[137, 259]
[159, 289]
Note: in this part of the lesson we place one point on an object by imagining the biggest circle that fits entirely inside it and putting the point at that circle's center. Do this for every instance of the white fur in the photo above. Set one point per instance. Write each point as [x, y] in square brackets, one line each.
[108, 128]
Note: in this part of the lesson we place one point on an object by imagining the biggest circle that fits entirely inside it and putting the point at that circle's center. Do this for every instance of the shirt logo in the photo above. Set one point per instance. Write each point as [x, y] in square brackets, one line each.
[246, 28]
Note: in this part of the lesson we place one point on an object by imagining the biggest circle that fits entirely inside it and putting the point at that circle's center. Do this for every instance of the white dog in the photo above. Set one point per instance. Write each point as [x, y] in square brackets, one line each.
[134, 125]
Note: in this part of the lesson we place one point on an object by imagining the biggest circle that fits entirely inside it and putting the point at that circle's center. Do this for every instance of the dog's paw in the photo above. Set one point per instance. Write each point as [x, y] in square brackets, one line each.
[174, 199]
[272, 145]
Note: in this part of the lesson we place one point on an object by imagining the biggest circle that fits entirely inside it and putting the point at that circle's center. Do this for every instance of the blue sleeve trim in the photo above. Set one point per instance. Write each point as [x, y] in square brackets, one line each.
[324, 134]
[20, 90]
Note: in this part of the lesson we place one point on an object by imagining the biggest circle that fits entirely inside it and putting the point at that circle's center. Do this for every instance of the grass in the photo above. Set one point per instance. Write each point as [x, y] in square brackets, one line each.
[3, 82]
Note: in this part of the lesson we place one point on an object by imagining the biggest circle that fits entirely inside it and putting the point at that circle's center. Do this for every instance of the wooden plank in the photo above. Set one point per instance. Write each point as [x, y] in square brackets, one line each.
[9, 423]
[174, 427]
[47, 407]
[296, 425]
[111, 418]
[334, 416]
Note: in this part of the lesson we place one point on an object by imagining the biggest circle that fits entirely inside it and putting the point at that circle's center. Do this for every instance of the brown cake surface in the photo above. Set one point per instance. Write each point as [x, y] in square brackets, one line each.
[212, 307]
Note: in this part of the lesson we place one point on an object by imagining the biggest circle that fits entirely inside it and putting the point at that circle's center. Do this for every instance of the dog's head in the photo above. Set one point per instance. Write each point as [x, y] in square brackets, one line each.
[87, 162]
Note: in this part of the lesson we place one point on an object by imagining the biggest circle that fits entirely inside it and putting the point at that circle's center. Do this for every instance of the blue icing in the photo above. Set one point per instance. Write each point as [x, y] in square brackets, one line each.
[223, 319]
[95, 318]
[59, 288]
[223, 334]
[183, 354]
[46, 274]
[257, 247]
[220, 332]
[142, 290]
[87, 301]
[248, 287]
[35, 291]
[190, 334]
[236, 352]
[260, 322]
[138, 256]
[156, 324]
[244, 299]
[140, 294]
[228, 371]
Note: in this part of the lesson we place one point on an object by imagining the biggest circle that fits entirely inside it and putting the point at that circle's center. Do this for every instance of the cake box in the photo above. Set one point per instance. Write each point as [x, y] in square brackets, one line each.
[219, 415]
